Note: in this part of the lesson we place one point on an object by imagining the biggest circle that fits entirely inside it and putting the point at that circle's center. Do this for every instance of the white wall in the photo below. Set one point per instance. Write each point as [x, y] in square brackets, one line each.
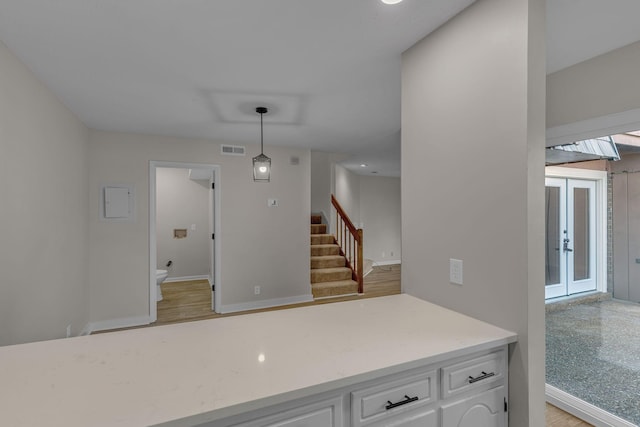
[182, 202]
[43, 210]
[480, 199]
[260, 245]
[380, 208]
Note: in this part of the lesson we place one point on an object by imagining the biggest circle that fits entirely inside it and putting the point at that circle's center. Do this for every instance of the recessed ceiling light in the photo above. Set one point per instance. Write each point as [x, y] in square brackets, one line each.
[391, 1]
[363, 165]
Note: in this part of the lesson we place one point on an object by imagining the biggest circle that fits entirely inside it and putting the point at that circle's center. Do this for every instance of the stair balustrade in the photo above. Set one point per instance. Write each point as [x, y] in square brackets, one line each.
[349, 238]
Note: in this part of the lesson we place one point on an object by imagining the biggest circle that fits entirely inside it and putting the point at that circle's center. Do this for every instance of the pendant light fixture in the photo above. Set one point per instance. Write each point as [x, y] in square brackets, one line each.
[261, 163]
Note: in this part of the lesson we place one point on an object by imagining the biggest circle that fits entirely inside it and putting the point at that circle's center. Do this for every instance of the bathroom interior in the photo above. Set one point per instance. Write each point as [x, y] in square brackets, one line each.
[184, 223]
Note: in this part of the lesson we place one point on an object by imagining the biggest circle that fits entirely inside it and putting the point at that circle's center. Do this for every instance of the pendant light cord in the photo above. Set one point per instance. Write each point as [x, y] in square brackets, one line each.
[261, 136]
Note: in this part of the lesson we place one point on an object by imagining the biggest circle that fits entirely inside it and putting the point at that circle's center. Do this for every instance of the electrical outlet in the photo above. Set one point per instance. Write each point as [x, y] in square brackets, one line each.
[455, 271]
[68, 331]
[383, 254]
[391, 253]
[256, 290]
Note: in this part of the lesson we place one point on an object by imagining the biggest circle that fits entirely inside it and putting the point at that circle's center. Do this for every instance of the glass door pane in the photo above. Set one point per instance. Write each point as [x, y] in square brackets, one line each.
[580, 233]
[556, 229]
[552, 247]
[581, 253]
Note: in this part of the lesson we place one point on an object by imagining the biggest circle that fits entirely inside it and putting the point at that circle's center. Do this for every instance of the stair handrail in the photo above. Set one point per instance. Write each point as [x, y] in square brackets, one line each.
[350, 243]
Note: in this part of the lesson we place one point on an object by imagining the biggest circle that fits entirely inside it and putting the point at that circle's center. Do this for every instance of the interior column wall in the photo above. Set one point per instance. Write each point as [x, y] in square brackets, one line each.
[481, 74]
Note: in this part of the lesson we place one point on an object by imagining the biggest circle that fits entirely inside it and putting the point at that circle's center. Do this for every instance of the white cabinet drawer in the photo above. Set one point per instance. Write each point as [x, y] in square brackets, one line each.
[425, 417]
[326, 413]
[393, 397]
[474, 373]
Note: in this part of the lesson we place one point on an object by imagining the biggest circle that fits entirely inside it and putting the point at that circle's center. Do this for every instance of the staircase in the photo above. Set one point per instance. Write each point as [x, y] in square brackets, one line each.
[330, 275]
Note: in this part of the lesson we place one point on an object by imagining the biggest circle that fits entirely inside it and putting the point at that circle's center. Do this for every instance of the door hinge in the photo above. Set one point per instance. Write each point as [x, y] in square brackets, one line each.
[213, 236]
[213, 288]
[506, 405]
[213, 185]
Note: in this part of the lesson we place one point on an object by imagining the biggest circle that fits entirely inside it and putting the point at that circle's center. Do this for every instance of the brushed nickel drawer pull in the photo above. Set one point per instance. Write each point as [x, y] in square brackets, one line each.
[406, 400]
[481, 377]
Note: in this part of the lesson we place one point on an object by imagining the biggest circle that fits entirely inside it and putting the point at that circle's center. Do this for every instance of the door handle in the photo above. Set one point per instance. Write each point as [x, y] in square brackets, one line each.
[565, 246]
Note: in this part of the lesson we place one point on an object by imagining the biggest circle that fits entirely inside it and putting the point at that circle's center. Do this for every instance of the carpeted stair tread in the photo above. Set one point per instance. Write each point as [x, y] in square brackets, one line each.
[318, 228]
[322, 239]
[327, 261]
[320, 250]
[330, 274]
[337, 288]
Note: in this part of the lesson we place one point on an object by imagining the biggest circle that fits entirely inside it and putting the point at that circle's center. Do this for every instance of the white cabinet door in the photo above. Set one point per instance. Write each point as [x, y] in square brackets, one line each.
[485, 409]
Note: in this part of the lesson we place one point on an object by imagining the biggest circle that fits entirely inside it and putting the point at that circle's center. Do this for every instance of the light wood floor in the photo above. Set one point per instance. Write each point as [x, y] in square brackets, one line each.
[191, 301]
[558, 418]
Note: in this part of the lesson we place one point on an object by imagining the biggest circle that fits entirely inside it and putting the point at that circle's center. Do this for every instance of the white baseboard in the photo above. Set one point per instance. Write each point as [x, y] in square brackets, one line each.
[86, 330]
[254, 305]
[583, 410]
[390, 262]
[185, 278]
[126, 322]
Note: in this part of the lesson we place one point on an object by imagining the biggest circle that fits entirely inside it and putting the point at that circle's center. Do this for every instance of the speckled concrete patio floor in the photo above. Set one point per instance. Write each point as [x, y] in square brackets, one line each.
[593, 353]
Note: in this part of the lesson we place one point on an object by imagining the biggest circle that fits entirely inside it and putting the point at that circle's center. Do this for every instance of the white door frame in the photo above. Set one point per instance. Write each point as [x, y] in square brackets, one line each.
[153, 165]
[558, 289]
[611, 124]
[600, 179]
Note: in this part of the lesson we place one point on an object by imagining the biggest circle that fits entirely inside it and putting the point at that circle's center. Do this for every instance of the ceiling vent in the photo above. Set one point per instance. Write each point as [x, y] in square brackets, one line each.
[233, 150]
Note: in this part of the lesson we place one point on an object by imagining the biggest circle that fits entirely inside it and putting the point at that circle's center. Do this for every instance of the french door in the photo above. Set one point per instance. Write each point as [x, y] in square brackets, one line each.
[570, 247]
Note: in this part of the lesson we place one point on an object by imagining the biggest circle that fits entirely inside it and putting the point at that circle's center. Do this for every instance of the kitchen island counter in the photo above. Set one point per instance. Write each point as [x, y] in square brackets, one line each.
[191, 373]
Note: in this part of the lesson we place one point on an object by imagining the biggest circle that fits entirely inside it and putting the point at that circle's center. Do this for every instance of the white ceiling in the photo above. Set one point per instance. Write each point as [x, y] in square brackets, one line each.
[328, 70]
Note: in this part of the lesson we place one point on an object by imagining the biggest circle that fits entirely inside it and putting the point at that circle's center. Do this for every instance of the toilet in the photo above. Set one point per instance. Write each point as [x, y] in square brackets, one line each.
[160, 276]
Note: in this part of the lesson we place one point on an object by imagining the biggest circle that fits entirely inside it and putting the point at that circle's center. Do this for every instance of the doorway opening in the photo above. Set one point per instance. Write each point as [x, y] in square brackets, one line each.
[589, 338]
[570, 246]
[176, 228]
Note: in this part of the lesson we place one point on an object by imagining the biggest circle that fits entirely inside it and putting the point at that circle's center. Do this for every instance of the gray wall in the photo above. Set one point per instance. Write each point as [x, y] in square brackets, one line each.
[180, 203]
[380, 215]
[347, 192]
[626, 227]
[323, 182]
[480, 199]
[573, 96]
[373, 204]
[259, 245]
[43, 210]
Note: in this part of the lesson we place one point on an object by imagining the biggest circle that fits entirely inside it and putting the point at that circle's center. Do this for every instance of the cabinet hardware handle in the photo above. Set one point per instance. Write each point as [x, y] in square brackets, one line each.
[406, 400]
[481, 377]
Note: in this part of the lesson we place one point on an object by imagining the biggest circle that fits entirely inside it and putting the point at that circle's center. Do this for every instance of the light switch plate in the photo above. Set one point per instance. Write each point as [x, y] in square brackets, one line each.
[455, 271]
[272, 203]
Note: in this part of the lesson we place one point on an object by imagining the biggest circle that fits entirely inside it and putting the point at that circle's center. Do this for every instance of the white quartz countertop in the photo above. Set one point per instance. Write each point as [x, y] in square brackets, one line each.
[190, 373]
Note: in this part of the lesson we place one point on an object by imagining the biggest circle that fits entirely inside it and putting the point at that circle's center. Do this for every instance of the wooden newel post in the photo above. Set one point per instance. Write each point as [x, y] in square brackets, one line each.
[360, 266]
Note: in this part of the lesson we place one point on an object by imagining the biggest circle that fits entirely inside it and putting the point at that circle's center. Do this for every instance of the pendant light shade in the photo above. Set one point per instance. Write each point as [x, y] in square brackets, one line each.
[261, 163]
